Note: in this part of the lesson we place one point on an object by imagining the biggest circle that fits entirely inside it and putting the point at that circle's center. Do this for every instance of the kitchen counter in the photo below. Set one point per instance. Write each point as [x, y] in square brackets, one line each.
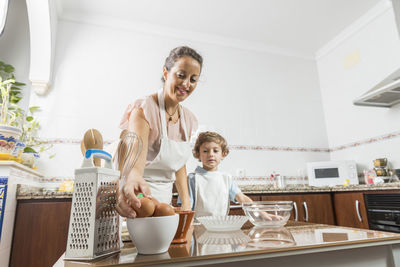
[266, 188]
[297, 244]
[31, 192]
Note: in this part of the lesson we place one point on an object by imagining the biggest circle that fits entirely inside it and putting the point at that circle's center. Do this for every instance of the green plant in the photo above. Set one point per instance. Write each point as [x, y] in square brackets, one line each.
[29, 136]
[5, 93]
[6, 74]
[11, 114]
[10, 96]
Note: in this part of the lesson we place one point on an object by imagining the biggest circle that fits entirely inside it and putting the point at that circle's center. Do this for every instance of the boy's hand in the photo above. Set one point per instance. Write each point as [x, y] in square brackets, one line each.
[270, 217]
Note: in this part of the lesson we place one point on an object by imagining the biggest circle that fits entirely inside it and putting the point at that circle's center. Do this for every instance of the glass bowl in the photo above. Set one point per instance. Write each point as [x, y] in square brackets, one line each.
[263, 237]
[268, 213]
[222, 223]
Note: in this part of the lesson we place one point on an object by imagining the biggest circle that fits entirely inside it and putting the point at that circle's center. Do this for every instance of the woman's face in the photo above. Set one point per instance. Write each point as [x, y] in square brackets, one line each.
[182, 78]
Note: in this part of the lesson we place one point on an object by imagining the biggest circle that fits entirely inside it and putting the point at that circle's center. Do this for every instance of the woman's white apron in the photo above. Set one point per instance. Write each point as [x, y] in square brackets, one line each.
[173, 155]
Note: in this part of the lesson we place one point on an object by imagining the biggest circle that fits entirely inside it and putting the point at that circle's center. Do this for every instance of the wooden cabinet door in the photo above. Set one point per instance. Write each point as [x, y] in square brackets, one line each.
[40, 232]
[315, 208]
[350, 210]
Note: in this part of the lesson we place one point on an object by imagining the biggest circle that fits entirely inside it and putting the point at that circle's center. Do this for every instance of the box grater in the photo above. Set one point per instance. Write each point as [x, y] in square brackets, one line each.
[94, 222]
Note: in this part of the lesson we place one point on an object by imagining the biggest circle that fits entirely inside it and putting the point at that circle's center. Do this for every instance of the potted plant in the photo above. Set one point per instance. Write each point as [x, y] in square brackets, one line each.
[34, 146]
[26, 143]
[9, 130]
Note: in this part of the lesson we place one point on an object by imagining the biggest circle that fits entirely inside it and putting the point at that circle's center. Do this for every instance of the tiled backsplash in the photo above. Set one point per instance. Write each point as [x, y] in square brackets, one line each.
[367, 141]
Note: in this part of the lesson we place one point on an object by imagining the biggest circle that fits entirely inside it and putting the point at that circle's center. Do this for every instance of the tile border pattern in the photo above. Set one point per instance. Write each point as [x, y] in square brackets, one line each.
[366, 141]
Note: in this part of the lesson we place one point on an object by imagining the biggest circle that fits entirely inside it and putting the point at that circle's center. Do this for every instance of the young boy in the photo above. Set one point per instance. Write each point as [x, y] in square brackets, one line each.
[211, 190]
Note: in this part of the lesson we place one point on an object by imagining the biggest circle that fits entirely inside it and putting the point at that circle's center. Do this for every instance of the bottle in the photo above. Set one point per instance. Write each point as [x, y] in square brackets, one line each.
[279, 181]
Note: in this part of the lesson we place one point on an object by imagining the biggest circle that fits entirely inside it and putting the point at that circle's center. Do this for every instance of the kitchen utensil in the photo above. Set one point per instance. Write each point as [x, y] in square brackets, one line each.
[94, 222]
[268, 213]
[185, 220]
[152, 235]
[222, 223]
[93, 140]
[128, 151]
[83, 148]
[380, 163]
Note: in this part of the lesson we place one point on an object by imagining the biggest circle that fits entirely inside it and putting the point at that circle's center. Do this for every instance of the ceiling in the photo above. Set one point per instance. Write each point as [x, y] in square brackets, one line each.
[300, 27]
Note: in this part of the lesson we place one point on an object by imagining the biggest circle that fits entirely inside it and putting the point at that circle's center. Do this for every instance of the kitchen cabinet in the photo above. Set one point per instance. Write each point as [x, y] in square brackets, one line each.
[315, 208]
[40, 232]
[350, 210]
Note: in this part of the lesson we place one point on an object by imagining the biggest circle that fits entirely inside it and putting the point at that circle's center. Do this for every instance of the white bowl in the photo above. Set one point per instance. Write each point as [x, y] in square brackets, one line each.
[223, 223]
[152, 235]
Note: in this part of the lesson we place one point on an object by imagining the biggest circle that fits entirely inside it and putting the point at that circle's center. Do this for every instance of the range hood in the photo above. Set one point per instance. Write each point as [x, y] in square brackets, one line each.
[387, 92]
[384, 94]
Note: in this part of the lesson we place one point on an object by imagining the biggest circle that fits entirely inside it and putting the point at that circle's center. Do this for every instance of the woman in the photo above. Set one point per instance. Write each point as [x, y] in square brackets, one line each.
[164, 127]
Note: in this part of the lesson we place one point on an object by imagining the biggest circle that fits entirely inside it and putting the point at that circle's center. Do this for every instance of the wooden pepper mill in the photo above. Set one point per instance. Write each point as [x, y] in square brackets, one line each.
[92, 140]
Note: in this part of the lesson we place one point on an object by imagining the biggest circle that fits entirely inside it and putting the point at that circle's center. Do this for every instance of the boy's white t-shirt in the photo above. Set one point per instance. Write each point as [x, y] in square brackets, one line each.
[211, 191]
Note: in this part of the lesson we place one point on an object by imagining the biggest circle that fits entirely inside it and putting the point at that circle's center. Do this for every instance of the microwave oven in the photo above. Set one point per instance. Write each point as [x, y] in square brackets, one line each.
[332, 173]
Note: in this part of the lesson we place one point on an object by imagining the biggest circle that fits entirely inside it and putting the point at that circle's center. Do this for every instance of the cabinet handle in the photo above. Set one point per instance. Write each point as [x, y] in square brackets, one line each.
[296, 218]
[306, 211]
[358, 210]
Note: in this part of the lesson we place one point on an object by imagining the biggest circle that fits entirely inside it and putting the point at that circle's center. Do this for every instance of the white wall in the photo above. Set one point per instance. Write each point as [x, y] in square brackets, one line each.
[375, 38]
[14, 45]
[251, 98]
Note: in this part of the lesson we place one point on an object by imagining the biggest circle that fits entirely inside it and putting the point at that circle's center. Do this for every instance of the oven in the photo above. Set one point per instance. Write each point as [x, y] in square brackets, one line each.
[383, 212]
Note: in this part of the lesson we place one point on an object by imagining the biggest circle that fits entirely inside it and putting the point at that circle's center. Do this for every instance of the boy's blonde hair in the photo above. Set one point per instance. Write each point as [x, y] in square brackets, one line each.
[206, 137]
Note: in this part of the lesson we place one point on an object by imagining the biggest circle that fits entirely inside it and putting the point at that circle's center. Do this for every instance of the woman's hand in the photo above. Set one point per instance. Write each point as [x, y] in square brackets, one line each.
[270, 217]
[186, 206]
[127, 197]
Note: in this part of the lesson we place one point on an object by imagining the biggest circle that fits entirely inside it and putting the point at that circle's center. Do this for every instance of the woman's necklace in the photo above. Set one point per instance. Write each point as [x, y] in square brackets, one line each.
[171, 115]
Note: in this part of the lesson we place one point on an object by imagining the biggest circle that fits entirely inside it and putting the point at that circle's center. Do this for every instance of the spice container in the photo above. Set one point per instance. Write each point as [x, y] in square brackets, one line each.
[381, 171]
[380, 163]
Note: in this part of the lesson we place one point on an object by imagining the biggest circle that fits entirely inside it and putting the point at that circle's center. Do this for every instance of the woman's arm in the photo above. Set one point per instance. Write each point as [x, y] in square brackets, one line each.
[134, 182]
[181, 184]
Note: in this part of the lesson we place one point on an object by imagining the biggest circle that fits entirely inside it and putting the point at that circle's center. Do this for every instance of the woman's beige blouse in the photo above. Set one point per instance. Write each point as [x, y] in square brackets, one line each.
[152, 114]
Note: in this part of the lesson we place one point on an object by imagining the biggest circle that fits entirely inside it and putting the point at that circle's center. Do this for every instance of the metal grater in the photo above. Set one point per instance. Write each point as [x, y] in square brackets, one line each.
[94, 223]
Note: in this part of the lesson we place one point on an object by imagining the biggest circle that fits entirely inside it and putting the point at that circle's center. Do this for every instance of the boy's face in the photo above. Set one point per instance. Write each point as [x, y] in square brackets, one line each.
[210, 155]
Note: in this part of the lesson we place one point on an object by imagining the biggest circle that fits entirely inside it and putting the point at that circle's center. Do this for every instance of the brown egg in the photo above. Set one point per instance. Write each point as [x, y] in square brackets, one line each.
[155, 201]
[146, 208]
[163, 209]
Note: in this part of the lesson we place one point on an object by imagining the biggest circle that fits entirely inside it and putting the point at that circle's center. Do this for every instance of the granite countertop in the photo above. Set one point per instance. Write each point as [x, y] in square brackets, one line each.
[267, 188]
[31, 192]
[204, 247]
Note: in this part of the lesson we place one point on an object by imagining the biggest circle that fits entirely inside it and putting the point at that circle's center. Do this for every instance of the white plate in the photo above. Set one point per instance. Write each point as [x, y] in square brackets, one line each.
[221, 238]
[223, 223]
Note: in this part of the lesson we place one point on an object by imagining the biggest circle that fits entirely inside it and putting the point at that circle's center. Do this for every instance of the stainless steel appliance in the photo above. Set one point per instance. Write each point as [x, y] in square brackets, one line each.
[383, 212]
